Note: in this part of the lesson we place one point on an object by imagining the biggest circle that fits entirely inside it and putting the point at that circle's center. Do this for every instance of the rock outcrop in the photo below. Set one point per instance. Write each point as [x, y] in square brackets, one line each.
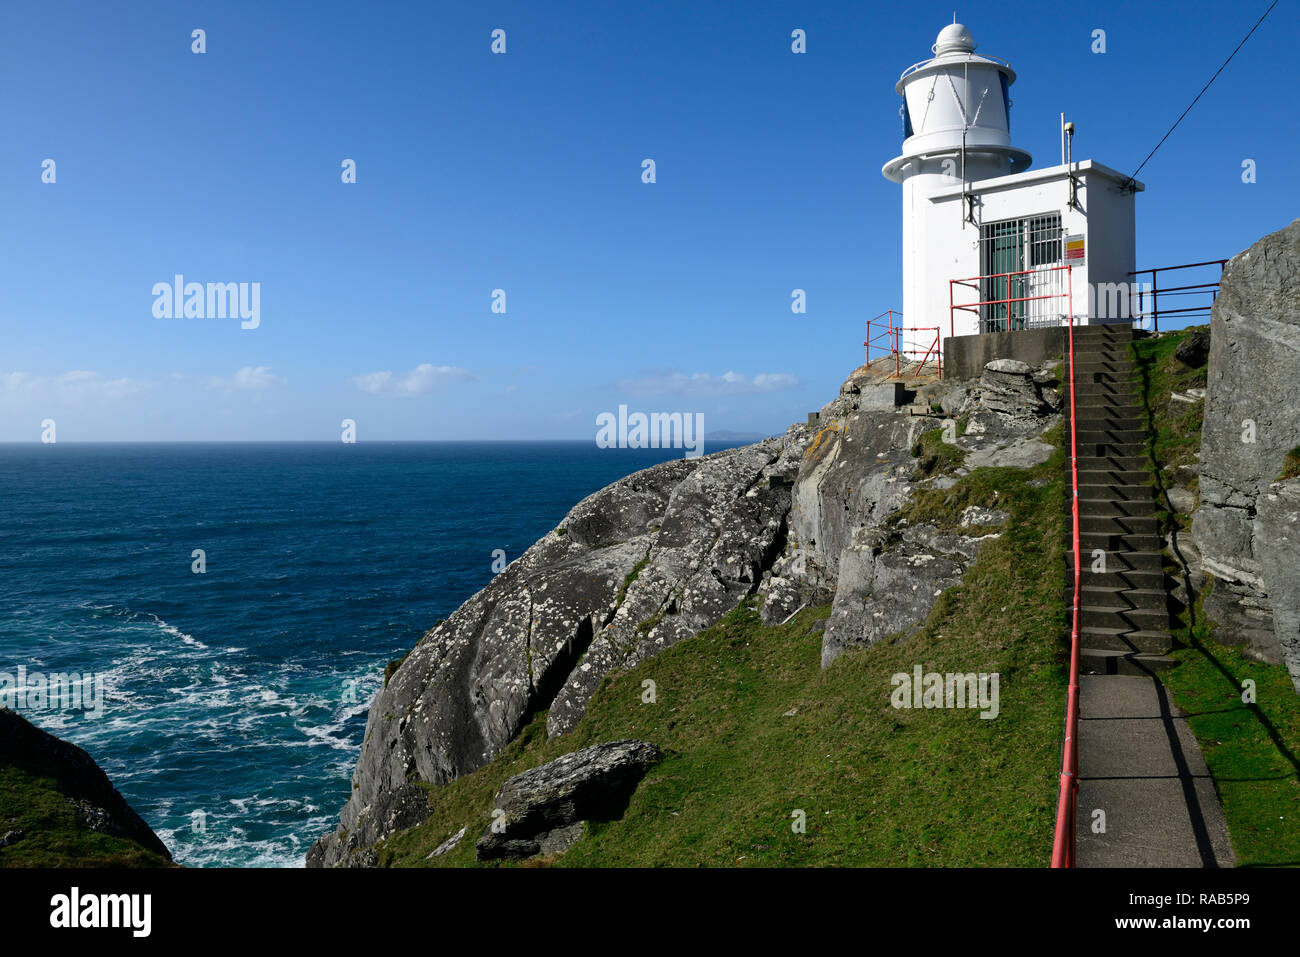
[861, 470]
[84, 785]
[542, 810]
[652, 559]
[662, 554]
[1245, 526]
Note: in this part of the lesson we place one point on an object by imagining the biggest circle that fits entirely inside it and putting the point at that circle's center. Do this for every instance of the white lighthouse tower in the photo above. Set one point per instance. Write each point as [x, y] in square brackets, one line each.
[988, 244]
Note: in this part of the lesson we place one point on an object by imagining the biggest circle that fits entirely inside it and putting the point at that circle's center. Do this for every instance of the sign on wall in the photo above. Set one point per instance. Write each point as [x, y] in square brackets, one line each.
[1074, 249]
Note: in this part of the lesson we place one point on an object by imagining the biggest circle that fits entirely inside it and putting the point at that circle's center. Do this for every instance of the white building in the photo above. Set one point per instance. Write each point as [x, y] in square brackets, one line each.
[988, 243]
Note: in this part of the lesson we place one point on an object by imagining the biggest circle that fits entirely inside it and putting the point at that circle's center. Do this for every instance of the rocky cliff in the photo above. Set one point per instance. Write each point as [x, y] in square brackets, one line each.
[64, 800]
[814, 515]
[1247, 527]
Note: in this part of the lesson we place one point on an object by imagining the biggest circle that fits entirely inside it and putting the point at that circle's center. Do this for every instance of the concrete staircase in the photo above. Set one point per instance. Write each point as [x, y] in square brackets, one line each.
[1124, 620]
[1141, 771]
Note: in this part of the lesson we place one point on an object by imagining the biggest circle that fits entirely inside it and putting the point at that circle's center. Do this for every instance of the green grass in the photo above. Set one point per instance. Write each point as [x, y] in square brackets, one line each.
[1173, 428]
[629, 578]
[1250, 748]
[53, 834]
[879, 786]
[934, 455]
[1290, 465]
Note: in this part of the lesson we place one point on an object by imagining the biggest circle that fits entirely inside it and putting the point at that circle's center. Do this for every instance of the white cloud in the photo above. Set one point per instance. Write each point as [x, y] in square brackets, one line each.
[76, 384]
[705, 384]
[420, 380]
[249, 379]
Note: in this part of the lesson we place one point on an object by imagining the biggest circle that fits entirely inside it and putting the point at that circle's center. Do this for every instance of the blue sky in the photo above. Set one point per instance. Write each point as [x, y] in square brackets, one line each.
[523, 172]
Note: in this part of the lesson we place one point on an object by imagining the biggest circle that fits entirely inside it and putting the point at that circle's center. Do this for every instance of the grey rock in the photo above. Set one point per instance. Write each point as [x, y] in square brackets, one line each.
[11, 837]
[1277, 542]
[448, 844]
[661, 555]
[884, 395]
[1182, 499]
[1008, 387]
[1194, 350]
[1253, 386]
[976, 516]
[544, 808]
[1020, 453]
[888, 588]
[1239, 620]
[634, 568]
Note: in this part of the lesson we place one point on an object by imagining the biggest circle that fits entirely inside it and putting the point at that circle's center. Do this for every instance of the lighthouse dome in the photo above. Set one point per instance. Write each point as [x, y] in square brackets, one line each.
[954, 38]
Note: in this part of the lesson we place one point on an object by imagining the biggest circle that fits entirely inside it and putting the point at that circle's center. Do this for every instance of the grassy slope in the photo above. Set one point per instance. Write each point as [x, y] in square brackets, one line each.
[53, 836]
[1251, 749]
[879, 786]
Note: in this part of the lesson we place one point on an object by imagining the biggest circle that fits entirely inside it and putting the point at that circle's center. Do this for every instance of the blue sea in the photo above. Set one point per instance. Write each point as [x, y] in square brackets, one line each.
[241, 693]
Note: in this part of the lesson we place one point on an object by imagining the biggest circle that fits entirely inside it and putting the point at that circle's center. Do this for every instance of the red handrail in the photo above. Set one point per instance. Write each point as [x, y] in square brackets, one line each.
[1067, 798]
[975, 283]
[892, 334]
[889, 333]
[933, 350]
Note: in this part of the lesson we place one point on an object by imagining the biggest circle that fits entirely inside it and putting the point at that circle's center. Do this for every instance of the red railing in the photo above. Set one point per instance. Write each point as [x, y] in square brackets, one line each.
[888, 338]
[885, 330]
[1067, 798]
[1193, 290]
[931, 350]
[1045, 291]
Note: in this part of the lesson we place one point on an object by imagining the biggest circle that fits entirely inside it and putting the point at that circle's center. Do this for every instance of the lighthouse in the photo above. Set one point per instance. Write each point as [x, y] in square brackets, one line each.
[990, 244]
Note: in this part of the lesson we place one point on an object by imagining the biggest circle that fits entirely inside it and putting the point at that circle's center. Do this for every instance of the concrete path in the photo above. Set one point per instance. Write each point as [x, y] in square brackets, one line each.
[1138, 762]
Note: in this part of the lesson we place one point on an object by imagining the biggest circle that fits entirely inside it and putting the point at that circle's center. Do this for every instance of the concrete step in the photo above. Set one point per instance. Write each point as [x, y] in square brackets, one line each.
[1126, 437]
[1123, 617]
[1114, 545]
[1103, 404]
[1111, 508]
[1103, 423]
[1127, 463]
[1100, 661]
[1144, 578]
[1097, 377]
[1119, 493]
[1096, 401]
[1097, 392]
[1119, 365]
[1118, 561]
[1102, 353]
[1094, 595]
[1121, 525]
[1110, 376]
[1123, 552]
[1095, 380]
[1101, 419]
[1084, 347]
[1132, 640]
[1107, 448]
[1097, 330]
[1115, 477]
